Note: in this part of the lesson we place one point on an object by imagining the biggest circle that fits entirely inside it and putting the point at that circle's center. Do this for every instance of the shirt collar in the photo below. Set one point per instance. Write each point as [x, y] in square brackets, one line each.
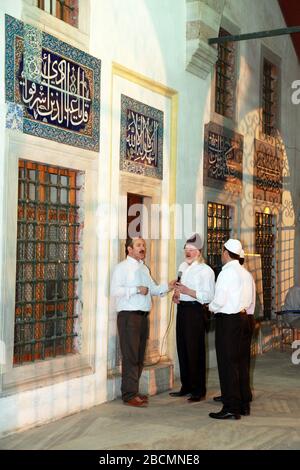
[231, 263]
[192, 264]
[133, 260]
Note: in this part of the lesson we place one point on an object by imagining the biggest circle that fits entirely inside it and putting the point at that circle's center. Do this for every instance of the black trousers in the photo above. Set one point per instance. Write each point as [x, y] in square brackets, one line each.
[133, 331]
[228, 340]
[248, 324]
[190, 337]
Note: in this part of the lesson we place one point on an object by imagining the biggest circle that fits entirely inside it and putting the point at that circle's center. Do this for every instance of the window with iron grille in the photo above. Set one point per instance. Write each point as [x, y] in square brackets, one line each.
[264, 245]
[47, 304]
[269, 98]
[225, 78]
[65, 10]
[218, 231]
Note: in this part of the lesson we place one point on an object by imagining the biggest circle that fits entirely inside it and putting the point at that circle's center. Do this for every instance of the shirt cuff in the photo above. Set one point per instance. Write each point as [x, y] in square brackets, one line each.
[131, 291]
[201, 298]
[164, 289]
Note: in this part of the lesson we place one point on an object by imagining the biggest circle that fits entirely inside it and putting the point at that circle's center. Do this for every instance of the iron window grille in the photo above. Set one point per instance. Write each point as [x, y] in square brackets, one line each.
[269, 98]
[218, 231]
[264, 245]
[47, 305]
[65, 10]
[225, 78]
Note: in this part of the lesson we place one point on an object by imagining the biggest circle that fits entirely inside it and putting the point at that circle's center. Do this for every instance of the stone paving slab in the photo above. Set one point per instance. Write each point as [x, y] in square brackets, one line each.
[173, 423]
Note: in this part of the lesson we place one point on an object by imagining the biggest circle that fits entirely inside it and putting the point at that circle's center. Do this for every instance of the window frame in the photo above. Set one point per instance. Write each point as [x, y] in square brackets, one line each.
[77, 36]
[229, 208]
[230, 123]
[52, 370]
[235, 211]
[35, 215]
[223, 47]
[271, 57]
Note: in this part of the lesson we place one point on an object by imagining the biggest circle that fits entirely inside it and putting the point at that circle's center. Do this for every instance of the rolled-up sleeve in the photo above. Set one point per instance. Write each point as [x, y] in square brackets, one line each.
[156, 289]
[251, 308]
[220, 297]
[205, 287]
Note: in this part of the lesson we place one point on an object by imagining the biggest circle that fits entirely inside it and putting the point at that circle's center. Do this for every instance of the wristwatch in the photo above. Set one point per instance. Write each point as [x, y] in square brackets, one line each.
[138, 290]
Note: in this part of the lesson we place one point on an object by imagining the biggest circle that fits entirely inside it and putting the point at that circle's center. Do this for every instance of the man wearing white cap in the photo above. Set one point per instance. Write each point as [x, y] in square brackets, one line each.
[233, 296]
[193, 292]
[248, 326]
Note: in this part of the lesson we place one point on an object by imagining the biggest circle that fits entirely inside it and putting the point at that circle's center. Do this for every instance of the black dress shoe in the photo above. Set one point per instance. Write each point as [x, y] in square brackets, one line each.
[224, 415]
[245, 410]
[193, 398]
[218, 398]
[179, 394]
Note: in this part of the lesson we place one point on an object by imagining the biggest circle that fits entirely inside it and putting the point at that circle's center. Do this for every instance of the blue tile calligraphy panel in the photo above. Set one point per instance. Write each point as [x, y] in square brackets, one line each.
[141, 138]
[57, 85]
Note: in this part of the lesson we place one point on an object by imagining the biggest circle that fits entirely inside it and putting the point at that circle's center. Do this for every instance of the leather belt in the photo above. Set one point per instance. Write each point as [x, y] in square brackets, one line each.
[227, 315]
[137, 312]
[141, 312]
[193, 302]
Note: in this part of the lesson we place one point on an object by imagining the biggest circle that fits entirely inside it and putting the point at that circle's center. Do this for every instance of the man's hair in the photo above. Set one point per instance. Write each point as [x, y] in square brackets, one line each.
[129, 242]
[232, 255]
[242, 261]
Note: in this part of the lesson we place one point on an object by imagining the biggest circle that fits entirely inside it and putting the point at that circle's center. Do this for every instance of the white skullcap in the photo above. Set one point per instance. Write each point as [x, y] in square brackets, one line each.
[234, 246]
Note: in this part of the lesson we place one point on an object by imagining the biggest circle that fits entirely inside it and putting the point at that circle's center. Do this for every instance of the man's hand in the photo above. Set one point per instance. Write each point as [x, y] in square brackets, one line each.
[172, 284]
[142, 290]
[182, 289]
[176, 298]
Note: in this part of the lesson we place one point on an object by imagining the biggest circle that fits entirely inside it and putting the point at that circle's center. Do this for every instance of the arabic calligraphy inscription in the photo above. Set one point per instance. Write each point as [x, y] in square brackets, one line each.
[62, 98]
[223, 158]
[141, 138]
[267, 172]
[57, 85]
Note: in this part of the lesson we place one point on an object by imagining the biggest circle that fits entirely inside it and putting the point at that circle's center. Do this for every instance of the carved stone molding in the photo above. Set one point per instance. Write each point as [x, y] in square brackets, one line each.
[203, 22]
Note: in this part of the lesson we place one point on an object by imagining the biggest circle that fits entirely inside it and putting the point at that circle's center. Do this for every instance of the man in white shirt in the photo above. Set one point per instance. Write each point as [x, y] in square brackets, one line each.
[248, 325]
[194, 291]
[132, 286]
[233, 296]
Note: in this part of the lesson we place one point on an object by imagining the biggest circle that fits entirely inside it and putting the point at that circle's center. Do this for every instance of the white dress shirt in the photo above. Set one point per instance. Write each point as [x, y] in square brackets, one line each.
[199, 277]
[233, 290]
[127, 277]
[249, 279]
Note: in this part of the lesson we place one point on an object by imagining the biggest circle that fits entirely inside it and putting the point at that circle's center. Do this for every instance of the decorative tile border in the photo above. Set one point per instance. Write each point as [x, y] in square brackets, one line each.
[57, 85]
[223, 158]
[141, 145]
[14, 117]
[32, 53]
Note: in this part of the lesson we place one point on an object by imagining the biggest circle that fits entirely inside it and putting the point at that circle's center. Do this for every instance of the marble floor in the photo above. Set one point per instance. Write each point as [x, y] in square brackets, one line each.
[173, 423]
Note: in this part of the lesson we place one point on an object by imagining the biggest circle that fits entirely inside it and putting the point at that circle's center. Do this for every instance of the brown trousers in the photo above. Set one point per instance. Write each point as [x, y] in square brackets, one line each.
[133, 328]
